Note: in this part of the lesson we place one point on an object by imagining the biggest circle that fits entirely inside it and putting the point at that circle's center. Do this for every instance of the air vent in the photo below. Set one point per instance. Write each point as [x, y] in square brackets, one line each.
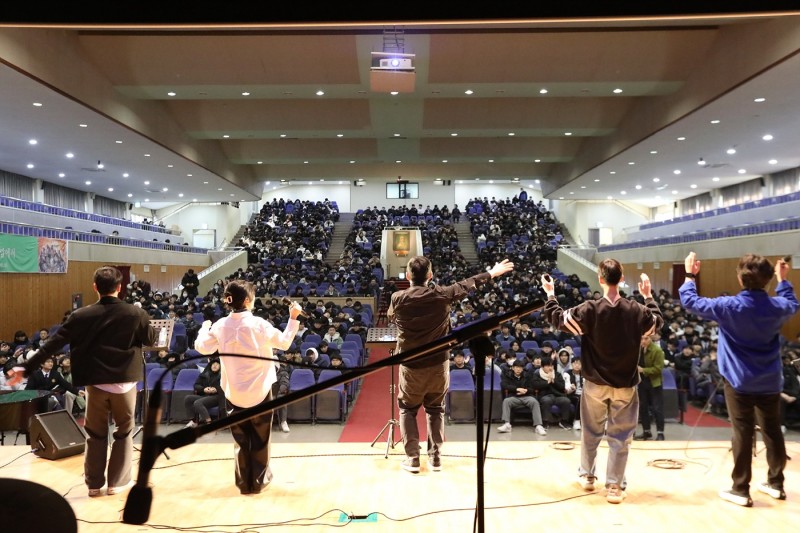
[93, 169]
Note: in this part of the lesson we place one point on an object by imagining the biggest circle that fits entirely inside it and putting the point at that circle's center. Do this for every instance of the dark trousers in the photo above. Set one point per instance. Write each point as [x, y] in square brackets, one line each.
[747, 410]
[252, 451]
[651, 399]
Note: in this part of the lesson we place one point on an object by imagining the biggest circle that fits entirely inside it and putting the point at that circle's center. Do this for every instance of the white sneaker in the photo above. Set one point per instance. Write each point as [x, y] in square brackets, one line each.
[783, 430]
[540, 430]
[576, 425]
[505, 428]
[285, 426]
[191, 424]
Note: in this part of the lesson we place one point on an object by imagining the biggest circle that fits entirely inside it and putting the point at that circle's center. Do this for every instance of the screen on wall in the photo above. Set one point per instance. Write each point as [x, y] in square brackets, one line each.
[403, 191]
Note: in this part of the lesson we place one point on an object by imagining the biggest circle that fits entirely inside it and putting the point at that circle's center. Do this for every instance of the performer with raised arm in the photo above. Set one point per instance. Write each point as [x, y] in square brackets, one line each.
[611, 329]
[247, 382]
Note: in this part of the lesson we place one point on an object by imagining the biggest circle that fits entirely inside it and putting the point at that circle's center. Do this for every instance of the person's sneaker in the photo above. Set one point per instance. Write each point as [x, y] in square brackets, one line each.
[768, 489]
[738, 499]
[94, 493]
[436, 464]
[540, 430]
[660, 436]
[615, 494]
[564, 425]
[285, 426]
[411, 464]
[586, 482]
[505, 428]
[783, 430]
[116, 490]
[576, 425]
[644, 435]
[191, 424]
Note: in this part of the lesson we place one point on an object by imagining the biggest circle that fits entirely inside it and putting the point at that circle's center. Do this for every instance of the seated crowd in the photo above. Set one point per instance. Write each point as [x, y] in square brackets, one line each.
[287, 243]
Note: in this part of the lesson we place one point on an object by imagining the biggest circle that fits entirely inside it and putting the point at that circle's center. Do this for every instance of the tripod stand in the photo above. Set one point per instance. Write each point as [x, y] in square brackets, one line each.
[390, 425]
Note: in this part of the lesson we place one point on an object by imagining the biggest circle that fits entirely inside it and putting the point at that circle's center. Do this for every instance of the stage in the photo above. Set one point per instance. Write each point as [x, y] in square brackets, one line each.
[528, 484]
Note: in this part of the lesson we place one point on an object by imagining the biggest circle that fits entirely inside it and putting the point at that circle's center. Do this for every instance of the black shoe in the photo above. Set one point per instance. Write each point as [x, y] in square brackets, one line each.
[660, 436]
[436, 464]
[411, 464]
[645, 435]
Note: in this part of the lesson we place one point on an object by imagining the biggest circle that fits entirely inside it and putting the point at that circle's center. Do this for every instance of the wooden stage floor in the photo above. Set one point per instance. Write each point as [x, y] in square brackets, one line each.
[528, 484]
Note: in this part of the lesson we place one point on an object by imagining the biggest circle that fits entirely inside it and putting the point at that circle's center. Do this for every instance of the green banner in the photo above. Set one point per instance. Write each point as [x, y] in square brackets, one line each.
[32, 254]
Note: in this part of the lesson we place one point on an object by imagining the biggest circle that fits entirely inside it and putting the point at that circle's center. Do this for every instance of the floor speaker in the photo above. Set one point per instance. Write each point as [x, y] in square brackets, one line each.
[55, 435]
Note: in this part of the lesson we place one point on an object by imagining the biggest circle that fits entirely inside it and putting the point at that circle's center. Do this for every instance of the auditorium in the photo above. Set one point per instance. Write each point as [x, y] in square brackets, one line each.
[315, 159]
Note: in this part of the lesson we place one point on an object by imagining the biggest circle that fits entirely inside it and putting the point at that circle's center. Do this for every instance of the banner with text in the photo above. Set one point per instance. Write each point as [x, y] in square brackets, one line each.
[32, 254]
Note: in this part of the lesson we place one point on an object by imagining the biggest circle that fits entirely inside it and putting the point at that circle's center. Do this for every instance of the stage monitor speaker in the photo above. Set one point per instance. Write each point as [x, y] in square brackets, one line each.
[55, 435]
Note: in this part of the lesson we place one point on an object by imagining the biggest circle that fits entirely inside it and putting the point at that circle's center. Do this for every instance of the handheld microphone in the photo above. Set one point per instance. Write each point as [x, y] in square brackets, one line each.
[787, 258]
[290, 303]
[140, 497]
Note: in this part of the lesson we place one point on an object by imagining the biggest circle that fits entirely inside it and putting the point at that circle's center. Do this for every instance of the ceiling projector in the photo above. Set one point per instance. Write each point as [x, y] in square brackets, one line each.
[392, 61]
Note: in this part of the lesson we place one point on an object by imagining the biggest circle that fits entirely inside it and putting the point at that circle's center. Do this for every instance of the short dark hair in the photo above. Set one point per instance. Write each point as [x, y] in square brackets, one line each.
[611, 271]
[107, 279]
[755, 271]
[237, 291]
[418, 268]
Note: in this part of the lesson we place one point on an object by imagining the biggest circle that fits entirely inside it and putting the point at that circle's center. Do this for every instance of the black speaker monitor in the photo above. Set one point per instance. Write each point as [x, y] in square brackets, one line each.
[55, 435]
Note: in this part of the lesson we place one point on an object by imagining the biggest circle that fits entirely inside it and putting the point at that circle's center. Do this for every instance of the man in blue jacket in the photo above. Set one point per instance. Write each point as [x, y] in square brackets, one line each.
[749, 360]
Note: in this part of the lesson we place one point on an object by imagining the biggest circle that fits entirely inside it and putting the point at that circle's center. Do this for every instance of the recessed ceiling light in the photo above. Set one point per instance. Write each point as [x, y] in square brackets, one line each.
[171, 93]
[83, 125]
[220, 188]
[111, 189]
[283, 135]
[194, 199]
[394, 93]
[226, 136]
[305, 162]
[759, 99]
[180, 195]
[70, 155]
[491, 161]
[170, 165]
[320, 93]
[693, 186]
[609, 197]
[454, 135]
[37, 104]
[773, 161]
[537, 160]
[638, 187]
[165, 189]
[597, 180]
[631, 162]
[147, 182]
[653, 152]
[147, 155]
[583, 186]
[676, 171]
[511, 134]
[245, 93]
[572, 192]
[561, 198]
[730, 151]
[118, 142]
[188, 175]
[444, 160]
[147, 199]
[468, 91]
[398, 161]
[767, 137]
[567, 133]
[623, 192]
[352, 161]
[674, 192]
[742, 171]
[681, 138]
[617, 91]
[715, 178]
[715, 121]
[125, 174]
[656, 180]
[88, 182]
[33, 142]
[30, 165]
[542, 91]
[536, 181]
[61, 174]
[396, 134]
[613, 172]
[340, 135]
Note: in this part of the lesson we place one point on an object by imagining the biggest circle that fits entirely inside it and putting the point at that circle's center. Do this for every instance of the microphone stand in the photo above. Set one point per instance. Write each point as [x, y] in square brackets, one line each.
[137, 505]
[390, 425]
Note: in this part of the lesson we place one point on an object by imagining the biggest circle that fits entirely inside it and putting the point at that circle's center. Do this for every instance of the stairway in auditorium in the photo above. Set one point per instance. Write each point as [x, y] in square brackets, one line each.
[466, 242]
[341, 229]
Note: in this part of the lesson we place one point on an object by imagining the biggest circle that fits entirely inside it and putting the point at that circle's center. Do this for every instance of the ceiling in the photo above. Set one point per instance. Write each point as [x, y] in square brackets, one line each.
[104, 95]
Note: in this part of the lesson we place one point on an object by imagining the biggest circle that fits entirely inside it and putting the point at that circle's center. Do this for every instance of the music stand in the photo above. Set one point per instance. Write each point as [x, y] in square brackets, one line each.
[163, 339]
[390, 425]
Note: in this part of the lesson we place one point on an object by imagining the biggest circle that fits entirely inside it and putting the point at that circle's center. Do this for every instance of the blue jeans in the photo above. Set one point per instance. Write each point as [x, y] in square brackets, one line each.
[615, 412]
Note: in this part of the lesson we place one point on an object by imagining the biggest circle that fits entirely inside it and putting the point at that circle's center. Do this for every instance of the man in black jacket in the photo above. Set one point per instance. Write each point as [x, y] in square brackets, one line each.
[190, 282]
[518, 391]
[46, 378]
[106, 340]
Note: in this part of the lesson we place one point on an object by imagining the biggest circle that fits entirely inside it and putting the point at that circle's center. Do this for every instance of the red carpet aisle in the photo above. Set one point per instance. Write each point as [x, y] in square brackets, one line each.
[373, 406]
[695, 417]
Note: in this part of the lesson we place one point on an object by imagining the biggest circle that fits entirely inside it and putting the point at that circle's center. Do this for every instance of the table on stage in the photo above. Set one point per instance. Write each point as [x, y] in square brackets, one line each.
[18, 407]
[382, 335]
